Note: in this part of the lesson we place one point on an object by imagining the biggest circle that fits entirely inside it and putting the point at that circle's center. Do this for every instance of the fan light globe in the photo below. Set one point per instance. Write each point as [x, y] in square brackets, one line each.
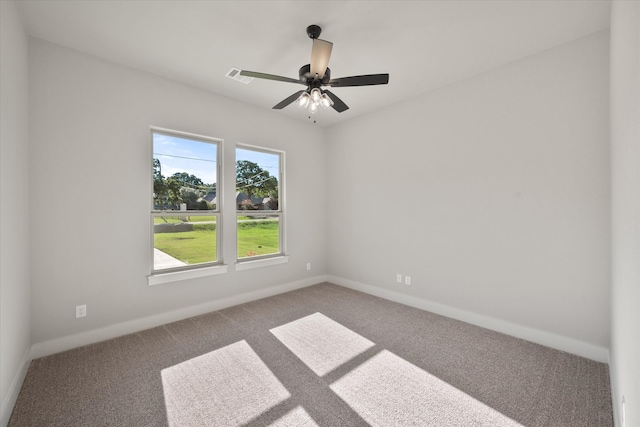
[326, 101]
[316, 95]
[303, 100]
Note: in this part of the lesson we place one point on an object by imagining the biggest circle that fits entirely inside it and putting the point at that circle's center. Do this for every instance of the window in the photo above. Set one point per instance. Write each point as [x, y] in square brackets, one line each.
[259, 203]
[185, 211]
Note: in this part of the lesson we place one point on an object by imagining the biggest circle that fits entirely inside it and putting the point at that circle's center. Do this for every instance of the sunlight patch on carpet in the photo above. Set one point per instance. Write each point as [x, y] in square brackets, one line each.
[321, 343]
[297, 417]
[228, 386]
[388, 390]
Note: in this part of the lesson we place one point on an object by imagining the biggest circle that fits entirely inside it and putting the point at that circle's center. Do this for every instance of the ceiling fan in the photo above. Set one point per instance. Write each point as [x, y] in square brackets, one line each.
[316, 75]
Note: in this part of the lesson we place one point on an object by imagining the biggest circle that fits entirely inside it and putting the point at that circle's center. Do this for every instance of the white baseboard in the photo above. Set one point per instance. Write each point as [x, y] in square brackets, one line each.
[559, 342]
[69, 342]
[616, 399]
[16, 385]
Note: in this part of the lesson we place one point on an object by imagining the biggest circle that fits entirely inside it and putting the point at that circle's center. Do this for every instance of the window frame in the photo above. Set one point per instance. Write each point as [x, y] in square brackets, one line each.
[195, 270]
[267, 259]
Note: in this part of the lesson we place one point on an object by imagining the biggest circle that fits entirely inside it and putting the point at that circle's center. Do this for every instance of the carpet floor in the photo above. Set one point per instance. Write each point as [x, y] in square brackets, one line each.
[319, 356]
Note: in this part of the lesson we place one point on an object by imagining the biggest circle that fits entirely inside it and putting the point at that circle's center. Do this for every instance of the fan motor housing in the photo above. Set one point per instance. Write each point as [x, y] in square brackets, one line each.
[306, 77]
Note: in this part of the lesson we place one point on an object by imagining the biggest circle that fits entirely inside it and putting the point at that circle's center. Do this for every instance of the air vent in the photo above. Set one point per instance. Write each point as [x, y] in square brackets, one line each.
[234, 74]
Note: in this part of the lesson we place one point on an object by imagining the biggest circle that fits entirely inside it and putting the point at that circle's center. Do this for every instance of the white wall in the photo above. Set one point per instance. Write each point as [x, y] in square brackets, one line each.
[90, 182]
[625, 203]
[491, 193]
[15, 311]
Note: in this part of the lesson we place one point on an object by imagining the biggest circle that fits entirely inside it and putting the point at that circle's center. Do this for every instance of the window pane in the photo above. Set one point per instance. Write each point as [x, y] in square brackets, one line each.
[184, 173]
[257, 186]
[180, 241]
[258, 235]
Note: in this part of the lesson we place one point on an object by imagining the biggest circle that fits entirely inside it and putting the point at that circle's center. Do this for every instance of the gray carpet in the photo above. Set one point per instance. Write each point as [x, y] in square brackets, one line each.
[320, 356]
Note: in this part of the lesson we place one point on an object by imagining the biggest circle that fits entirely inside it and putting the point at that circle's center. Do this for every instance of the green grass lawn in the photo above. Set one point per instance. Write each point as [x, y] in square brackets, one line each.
[258, 238]
[199, 245]
[190, 247]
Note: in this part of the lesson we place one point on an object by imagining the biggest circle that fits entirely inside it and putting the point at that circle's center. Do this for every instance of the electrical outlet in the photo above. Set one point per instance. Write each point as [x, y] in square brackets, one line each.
[81, 311]
[308, 266]
[407, 280]
[399, 278]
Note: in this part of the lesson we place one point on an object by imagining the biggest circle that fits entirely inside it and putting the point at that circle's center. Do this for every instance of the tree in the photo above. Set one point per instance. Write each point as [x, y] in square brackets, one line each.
[189, 180]
[255, 181]
[162, 194]
[166, 192]
[193, 190]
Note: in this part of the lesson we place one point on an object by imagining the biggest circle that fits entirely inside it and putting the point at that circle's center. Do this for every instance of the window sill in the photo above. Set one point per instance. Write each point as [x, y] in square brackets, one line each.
[175, 276]
[248, 265]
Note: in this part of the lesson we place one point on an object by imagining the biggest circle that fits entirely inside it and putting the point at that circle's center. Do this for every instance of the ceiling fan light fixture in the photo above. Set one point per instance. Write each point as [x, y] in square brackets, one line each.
[314, 100]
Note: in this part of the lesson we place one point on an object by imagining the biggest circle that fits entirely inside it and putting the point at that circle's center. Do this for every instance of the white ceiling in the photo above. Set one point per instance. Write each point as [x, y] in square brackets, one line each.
[423, 45]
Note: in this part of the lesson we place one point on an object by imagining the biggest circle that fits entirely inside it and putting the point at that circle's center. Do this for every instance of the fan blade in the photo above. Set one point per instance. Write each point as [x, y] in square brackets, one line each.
[338, 105]
[320, 54]
[269, 77]
[366, 80]
[287, 101]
